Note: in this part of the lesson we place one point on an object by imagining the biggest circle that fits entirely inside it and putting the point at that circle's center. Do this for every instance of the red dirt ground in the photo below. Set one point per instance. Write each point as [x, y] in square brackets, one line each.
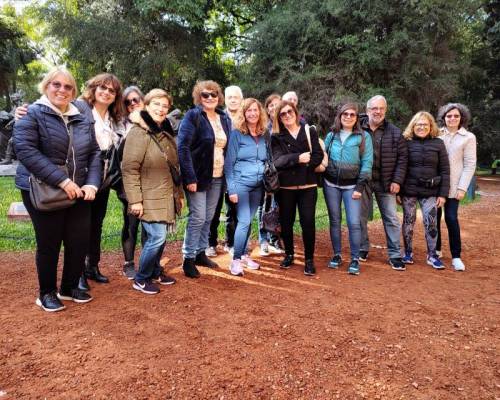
[274, 334]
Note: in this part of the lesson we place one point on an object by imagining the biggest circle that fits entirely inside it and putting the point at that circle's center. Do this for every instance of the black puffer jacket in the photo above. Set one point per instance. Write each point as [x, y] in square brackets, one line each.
[394, 153]
[428, 160]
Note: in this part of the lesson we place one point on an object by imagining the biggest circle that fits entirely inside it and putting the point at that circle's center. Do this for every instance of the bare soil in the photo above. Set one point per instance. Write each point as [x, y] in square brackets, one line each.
[274, 334]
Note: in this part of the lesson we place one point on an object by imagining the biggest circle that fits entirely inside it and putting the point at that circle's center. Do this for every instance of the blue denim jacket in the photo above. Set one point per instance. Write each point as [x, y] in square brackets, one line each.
[245, 161]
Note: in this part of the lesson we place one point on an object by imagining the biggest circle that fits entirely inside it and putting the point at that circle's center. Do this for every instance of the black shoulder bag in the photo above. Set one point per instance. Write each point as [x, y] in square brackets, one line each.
[271, 178]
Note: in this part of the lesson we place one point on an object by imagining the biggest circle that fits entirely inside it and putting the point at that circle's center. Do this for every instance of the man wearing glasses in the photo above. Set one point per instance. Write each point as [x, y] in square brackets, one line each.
[390, 158]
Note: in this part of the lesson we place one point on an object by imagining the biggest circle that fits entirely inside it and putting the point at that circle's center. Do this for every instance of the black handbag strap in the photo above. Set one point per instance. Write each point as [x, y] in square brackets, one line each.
[267, 138]
[161, 149]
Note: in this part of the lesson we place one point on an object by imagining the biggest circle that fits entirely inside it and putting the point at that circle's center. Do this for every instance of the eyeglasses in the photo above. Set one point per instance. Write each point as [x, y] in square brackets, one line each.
[162, 106]
[206, 95]
[110, 90]
[376, 109]
[287, 112]
[349, 115]
[450, 116]
[58, 85]
[132, 101]
[422, 125]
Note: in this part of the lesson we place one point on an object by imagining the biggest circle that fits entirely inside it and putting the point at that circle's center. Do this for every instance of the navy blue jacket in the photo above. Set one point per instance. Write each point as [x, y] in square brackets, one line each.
[195, 145]
[41, 141]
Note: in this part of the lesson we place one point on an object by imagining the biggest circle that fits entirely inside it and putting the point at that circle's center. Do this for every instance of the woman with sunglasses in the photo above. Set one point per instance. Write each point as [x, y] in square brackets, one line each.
[202, 140]
[102, 102]
[461, 147]
[350, 156]
[427, 183]
[133, 100]
[42, 139]
[296, 156]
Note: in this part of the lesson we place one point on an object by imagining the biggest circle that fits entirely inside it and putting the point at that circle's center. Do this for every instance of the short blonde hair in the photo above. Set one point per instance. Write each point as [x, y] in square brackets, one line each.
[157, 94]
[207, 85]
[51, 75]
[408, 133]
[240, 122]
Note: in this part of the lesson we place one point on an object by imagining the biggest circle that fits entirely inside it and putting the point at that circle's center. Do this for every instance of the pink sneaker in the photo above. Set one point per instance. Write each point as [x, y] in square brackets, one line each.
[236, 268]
[250, 264]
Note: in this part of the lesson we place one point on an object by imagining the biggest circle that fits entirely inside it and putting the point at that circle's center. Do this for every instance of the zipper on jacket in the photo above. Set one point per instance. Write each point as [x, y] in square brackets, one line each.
[72, 150]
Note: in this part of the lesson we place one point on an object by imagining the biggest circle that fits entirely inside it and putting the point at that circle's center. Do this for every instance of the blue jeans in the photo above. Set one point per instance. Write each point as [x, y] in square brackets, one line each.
[334, 197]
[248, 201]
[388, 210]
[201, 211]
[149, 261]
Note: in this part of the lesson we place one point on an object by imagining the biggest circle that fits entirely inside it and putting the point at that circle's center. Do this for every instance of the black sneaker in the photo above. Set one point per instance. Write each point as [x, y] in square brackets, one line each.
[147, 287]
[309, 268]
[164, 279]
[203, 261]
[76, 295]
[129, 270]
[49, 302]
[397, 264]
[363, 255]
[287, 262]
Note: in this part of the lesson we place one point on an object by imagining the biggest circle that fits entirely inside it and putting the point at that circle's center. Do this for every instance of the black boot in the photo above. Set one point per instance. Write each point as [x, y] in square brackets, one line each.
[287, 261]
[309, 268]
[92, 272]
[83, 284]
[204, 261]
[190, 269]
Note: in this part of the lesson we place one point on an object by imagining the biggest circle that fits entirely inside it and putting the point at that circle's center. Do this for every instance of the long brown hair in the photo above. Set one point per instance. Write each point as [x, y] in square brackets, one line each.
[241, 122]
[116, 108]
[337, 123]
[277, 124]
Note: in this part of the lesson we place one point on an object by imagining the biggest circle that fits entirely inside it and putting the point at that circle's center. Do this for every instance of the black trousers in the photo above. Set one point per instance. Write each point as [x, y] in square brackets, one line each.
[305, 201]
[231, 221]
[451, 219]
[98, 209]
[70, 227]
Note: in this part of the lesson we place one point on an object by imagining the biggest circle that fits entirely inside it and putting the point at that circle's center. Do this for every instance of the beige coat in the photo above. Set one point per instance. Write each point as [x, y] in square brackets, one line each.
[146, 175]
[461, 149]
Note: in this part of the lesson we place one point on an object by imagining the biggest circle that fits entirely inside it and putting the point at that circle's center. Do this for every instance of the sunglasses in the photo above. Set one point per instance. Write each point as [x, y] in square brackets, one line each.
[206, 95]
[450, 116]
[287, 112]
[58, 85]
[349, 115]
[110, 90]
[132, 101]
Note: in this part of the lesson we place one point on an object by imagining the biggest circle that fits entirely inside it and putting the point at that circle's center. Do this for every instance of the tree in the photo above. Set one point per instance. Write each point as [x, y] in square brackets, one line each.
[333, 50]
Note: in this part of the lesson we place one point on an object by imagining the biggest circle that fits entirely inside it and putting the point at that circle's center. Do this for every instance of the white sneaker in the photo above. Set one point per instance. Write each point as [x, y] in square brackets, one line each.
[264, 250]
[250, 264]
[458, 265]
[211, 251]
[275, 250]
[228, 249]
[236, 268]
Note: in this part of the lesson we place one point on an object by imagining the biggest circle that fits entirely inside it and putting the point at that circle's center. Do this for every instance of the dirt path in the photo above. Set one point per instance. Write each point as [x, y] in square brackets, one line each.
[419, 334]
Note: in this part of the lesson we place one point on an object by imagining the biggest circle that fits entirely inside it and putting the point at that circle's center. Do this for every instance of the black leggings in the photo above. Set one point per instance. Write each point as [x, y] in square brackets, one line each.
[70, 227]
[129, 232]
[305, 201]
[451, 219]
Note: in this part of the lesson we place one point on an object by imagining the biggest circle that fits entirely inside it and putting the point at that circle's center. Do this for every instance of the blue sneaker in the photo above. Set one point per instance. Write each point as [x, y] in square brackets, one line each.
[408, 258]
[435, 262]
[353, 267]
[335, 261]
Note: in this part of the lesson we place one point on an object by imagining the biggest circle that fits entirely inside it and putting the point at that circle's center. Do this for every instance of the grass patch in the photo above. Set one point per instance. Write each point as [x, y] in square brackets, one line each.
[17, 236]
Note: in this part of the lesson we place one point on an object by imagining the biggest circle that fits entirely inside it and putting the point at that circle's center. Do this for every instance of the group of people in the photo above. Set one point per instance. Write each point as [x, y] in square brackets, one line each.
[218, 156]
